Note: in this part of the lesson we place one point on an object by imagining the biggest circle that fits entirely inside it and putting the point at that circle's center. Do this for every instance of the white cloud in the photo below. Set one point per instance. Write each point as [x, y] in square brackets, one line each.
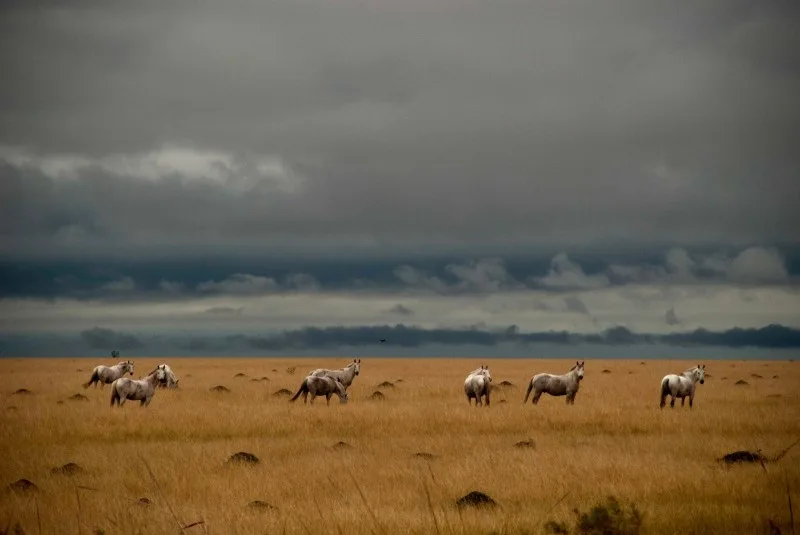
[484, 275]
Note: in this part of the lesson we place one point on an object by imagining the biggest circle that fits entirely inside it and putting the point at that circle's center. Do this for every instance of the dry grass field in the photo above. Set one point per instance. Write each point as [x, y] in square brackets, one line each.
[614, 441]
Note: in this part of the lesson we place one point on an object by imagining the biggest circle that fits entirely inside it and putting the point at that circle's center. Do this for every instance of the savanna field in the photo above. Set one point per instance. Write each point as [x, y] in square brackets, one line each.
[614, 441]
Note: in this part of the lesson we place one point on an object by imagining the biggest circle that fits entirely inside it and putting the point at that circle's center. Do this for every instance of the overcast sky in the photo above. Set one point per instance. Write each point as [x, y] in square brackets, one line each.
[246, 176]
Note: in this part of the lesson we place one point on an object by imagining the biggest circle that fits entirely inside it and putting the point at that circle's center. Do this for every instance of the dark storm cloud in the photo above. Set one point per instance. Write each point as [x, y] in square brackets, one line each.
[99, 338]
[481, 127]
[398, 337]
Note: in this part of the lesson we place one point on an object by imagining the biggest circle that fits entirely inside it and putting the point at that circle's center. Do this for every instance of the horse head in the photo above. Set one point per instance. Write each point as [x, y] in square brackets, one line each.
[579, 369]
[161, 373]
[127, 366]
[700, 373]
[357, 364]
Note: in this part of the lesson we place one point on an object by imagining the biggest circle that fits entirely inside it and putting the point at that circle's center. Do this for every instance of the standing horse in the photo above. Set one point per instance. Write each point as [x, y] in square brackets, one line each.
[321, 386]
[556, 385]
[170, 380]
[108, 374]
[343, 375]
[680, 386]
[141, 390]
[477, 385]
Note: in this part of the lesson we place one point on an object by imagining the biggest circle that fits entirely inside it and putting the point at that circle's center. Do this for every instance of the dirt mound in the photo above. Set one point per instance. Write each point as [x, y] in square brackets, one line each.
[60, 402]
[342, 446]
[476, 499]
[741, 382]
[23, 485]
[219, 388]
[274, 369]
[240, 374]
[22, 392]
[425, 455]
[505, 384]
[242, 457]
[774, 376]
[282, 392]
[69, 469]
[144, 502]
[755, 376]
[259, 379]
[79, 370]
[12, 408]
[291, 370]
[743, 457]
[258, 504]
[78, 397]
[774, 396]
[643, 363]
[724, 379]
[378, 396]
[526, 444]
[503, 401]
[606, 371]
[400, 381]
[386, 384]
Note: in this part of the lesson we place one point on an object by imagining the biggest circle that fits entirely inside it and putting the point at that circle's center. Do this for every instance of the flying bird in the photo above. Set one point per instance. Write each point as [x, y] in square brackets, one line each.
[383, 340]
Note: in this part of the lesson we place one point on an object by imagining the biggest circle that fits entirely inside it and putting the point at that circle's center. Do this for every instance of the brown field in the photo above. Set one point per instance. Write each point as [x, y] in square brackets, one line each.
[613, 441]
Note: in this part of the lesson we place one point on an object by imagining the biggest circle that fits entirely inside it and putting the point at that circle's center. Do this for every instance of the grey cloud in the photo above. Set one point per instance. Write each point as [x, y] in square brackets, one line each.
[100, 338]
[302, 282]
[240, 283]
[171, 287]
[484, 275]
[574, 304]
[125, 284]
[671, 318]
[400, 310]
[648, 125]
[565, 274]
[226, 311]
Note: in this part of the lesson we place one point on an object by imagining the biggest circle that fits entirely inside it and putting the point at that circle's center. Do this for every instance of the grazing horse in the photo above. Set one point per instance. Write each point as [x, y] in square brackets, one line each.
[141, 390]
[680, 386]
[343, 375]
[321, 386]
[170, 380]
[477, 385]
[556, 385]
[108, 374]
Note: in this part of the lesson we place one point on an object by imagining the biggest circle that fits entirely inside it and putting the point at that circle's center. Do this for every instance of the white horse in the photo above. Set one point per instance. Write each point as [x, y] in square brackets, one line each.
[141, 390]
[343, 375]
[321, 386]
[170, 380]
[478, 385]
[108, 374]
[681, 386]
[556, 385]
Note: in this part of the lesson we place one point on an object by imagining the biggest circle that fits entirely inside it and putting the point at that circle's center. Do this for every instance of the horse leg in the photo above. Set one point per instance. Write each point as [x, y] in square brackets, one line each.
[683, 401]
[672, 402]
[691, 400]
[328, 398]
[122, 400]
[313, 397]
[487, 399]
[536, 396]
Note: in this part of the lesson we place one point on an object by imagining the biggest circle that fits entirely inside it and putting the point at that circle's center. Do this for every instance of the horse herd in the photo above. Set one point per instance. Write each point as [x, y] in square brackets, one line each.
[326, 382]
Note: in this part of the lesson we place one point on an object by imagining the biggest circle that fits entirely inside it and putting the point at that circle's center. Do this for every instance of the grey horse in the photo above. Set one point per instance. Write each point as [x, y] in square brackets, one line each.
[556, 385]
[343, 375]
[478, 385]
[321, 386]
[137, 390]
[682, 386]
[108, 374]
[170, 380]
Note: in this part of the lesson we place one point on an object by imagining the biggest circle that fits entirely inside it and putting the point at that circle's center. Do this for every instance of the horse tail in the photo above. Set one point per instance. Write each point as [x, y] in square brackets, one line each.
[95, 378]
[664, 391]
[528, 393]
[303, 388]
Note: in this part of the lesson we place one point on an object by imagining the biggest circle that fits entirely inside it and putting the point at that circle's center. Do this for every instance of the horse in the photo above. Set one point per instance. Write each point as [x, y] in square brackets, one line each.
[680, 386]
[477, 385]
[138, 390]
[321, 386]
[556, 385]
[170, 380]
[108, 374]
[343, 375]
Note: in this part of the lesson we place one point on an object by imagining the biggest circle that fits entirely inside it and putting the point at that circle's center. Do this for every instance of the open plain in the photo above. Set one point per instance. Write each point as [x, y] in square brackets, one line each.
[614, 441]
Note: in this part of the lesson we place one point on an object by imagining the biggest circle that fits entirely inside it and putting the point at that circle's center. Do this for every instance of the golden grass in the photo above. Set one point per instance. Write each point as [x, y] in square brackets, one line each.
[614, 441]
